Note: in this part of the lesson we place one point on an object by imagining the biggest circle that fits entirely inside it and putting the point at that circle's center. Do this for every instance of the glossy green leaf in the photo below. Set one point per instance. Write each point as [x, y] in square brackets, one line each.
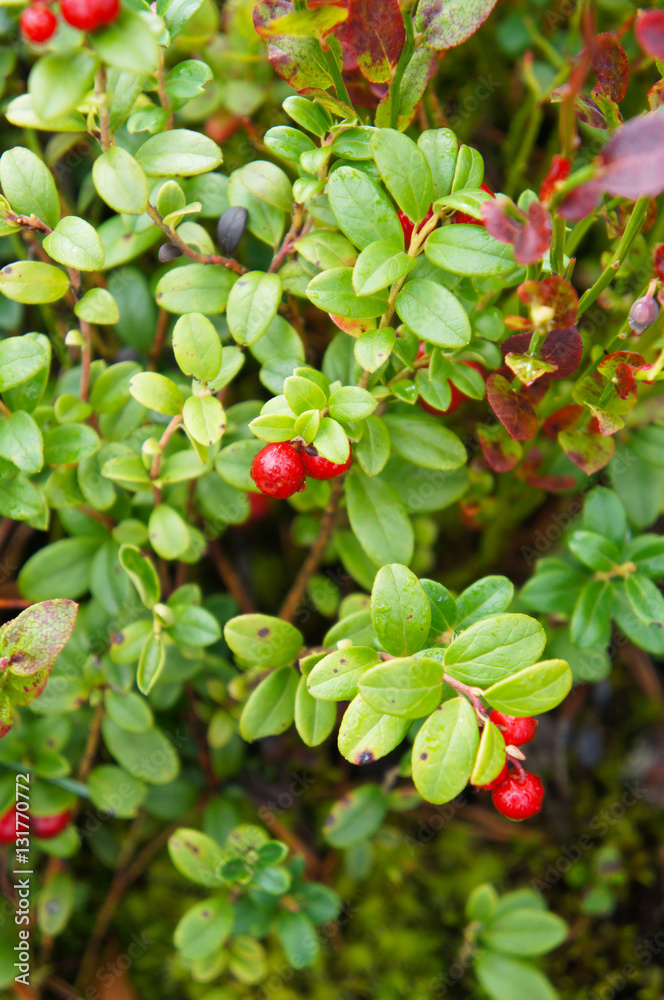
[205, 928]
[433, 313]
[32, 282]
[444, 751]
[157, 393]
[151, 663]
[197, 347]
[536, 689]
[196, 856]
[362, 209]
[333, 292]
[195, 288]
[120, 181]
[424, 441]
[591, 619]
[409, 688]
[168, 532]
[252, 305]
[263, 640]
[204, 419]
[270, 708]
[365, 734]
[28, 185]
[405, 171]
[469, 251]
[178, 151]
[75, 243]
[59, 81]
[494, 648]
[504, 978]
[355, 817]
[314, 719]
[379, 520]
[21, 442]
[490, 758]
[595, 551]
[400, 611]
[336, 676]
[525, 932]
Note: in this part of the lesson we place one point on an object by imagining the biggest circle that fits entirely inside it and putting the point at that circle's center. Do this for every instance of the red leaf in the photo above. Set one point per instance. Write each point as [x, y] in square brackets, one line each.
[558, 171]
[375, 33]
[300, 61]
[610, 66]
[563, 419]
[555, 293]
[581, 201]
[500, 451]
[529, 233]
[591, 452]
[446, 23]
[512, 408]
[633, 160]
[649, 32]
[552, 484]
[563, 347]
[621, 368]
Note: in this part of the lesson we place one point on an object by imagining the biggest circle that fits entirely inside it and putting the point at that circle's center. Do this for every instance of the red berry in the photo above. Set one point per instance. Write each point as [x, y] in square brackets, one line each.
[408, 225]
[320, 468]
[520, 796]
[278, 470]
[46, 827]
[8, 826]
[88, 15]
[496, 781]
[515, 731]
[468, 219]
[38, 23]
[458, 397]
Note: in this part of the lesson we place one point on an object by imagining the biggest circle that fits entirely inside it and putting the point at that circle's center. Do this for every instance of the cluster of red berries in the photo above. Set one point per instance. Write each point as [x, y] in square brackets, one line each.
[38, 22]
[44, 827]
[517, 795]
[279, 470]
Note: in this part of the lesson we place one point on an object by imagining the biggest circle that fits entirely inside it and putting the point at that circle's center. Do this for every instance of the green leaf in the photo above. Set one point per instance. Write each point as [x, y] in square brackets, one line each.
[151, 663]
[362, 209]
[444, 751]
[525, 932]
[176, 13]
[263, 640]
[69, 443]
[120, 181]
[433, 313]
[351, 403]
[194, 626]
[554, 588]
[21, 113]
[365, 734]
[440, 147]
[536, 689]
[20, 359]
[355, 817]
[270, 708]
[591, 619]
[405, 171]
[648, 637]
[60, 81]
[195, 288]
[127, 44]
[505, 978]
[379, 266]
[266, 222]
[204, 419]
[97, 306]
[595, 551]
[326, 249]
[373, 449]
[314, 719]
[197, 856]
[303, 395]
[147, 756]
[33, 639]
[287, 142]
[373, 348]
[489, 596]
[197, 347]
[204, 928]
[333, 292]
[60, 568]
[75, 243]
[645, 599]
[31, 282]
[603, 512]
[409, 688]
[168, 532]
[274, 427]
[331, 441]
[400, 611]
[21, 442]
[494, 648]
[157, 393]
[646, 551]
[442, 606]
[470, 251]
[336, 676]
[130, 711]
[379, 520]
[28, 186]
[252, 305]
[178, 151]
[490, 758]
[425, 442]
[269, 183]
[115, 792]
[481, 904]
[295, 931]
[55, 904]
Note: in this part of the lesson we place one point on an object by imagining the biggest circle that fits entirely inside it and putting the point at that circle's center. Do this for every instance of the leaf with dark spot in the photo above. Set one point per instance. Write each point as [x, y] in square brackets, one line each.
[446, 23]
[33, 639]
[511, 407]
[610, 66]
[566, 418]
[375, 33]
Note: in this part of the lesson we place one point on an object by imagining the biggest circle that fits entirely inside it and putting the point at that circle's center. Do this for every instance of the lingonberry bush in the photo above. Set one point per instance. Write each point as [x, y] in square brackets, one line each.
[303, 420]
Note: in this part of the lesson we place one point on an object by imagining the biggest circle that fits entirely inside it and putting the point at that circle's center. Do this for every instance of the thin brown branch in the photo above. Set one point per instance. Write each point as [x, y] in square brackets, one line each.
[86, 360]
[231, 578]
[106, 139]
[163, 441]
[92, 743]
[200, 258]
[312, 562]
[159, 339]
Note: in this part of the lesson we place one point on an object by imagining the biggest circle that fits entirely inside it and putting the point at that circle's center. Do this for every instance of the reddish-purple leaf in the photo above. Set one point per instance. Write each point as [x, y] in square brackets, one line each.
[300, 61]
[564, 419]
[649, 32]
[563, 347]
[632, 163]
[376, 34]
[591, 452]
[512, 407]
[610, 66]
[658, 261]
[501, 452]
[621, 368]
[446, 23]
[558, 171]
[529, 233]
[553, 293]
[581, 201]
[588, 112]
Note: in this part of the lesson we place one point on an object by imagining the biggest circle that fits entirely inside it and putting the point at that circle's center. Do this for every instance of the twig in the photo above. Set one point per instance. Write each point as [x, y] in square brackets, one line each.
[200, 258]
[14, 602]
[312, 562]
[92, 744]
[231, 579]
[163, 441]
[159, 338]
[86, 360]
[106, 139]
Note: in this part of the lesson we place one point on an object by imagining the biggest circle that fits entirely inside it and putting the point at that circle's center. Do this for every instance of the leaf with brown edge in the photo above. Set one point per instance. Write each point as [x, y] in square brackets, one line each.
[599, 395]
[446, 23]
[555, 294]
[563, 419]
[649, 32]
[300, 61]
[512, 408]
[500, 451]
[376, 34]
[590, 452]
[32, 640]
[610, 66]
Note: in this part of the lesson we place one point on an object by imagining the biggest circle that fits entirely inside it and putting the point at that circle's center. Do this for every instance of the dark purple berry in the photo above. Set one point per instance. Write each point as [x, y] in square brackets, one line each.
[230, 229]
[168, 251]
